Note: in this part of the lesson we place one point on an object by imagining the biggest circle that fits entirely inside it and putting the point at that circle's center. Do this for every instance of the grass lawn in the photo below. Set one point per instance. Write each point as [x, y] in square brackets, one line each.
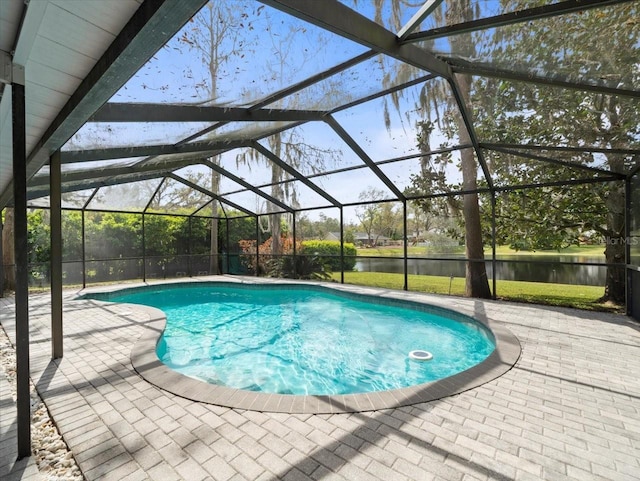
[591, 251]
[568, 295]
[422, 251]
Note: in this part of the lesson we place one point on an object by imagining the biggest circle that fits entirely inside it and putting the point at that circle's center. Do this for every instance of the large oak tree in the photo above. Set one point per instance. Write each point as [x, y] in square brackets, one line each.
[597, 46]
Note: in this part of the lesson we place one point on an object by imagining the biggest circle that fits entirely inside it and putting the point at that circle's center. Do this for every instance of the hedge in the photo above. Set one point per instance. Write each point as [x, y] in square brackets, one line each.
[329, 251]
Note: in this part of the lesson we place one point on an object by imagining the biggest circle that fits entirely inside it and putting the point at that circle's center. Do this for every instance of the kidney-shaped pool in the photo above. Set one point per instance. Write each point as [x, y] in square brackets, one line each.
[306, 340]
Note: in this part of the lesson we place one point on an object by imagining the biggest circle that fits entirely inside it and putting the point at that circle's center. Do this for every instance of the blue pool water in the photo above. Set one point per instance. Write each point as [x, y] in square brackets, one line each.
[300, 340]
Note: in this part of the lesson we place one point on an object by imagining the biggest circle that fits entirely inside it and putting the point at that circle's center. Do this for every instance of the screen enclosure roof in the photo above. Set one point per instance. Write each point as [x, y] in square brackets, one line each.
[286, 105]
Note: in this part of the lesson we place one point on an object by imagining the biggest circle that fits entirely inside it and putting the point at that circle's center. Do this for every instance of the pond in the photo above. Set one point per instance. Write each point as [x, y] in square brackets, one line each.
[526, 268]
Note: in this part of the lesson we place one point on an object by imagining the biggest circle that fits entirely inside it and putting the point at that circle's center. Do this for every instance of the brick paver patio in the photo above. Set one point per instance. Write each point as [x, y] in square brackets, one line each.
[569, 409]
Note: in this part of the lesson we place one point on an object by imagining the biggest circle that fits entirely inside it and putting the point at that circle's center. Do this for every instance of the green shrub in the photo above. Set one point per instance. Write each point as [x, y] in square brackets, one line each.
[329, 252]
[300, 267]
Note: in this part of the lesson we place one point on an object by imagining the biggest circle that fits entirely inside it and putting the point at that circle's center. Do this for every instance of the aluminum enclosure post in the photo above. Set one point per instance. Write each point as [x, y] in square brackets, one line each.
[627, 249]
[55, 213]
[341, 245]
[494, 264]
[257, 246]
[1, 259]
[84, 251]
[295, 253]
[22, 262]
[405, 247]
[144, 251]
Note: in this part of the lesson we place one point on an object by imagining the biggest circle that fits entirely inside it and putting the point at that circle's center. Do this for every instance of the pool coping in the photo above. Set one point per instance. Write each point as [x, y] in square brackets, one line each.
[147, 364]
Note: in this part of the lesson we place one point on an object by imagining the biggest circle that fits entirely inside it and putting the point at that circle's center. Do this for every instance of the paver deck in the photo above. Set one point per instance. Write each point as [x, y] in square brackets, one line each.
[569, 409]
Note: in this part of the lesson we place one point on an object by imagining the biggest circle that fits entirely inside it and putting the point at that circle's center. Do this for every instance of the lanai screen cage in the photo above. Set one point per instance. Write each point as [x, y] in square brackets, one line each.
[441, 130]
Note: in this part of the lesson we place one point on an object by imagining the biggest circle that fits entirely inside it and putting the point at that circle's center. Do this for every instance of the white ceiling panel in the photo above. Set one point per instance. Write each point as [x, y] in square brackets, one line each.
[98, 12]
[60, 57]
[73, 32]
[42, 111]
[45, 97]
[32, 139]
[36, 122]
[5, 140]
[59, 44]
[53, 79]
[10, 13]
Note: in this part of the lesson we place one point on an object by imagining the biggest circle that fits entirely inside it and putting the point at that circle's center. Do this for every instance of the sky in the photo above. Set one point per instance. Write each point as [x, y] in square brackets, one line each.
[263, 51]
[267, 51]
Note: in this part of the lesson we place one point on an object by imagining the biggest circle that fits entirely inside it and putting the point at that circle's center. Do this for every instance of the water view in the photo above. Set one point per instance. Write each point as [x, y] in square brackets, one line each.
[548, 268]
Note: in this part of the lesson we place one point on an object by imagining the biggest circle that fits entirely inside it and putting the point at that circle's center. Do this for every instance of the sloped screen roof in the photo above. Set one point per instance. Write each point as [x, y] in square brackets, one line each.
[286, 105]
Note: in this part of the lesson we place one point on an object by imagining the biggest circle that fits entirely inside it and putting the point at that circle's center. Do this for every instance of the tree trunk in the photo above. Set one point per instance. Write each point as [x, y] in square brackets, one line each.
[214, 268]
[476, 281]
[276, 234]
[614, 199]
[614, 288]
[615, 250]
[214, 264]
[277, 192]
[8, 252]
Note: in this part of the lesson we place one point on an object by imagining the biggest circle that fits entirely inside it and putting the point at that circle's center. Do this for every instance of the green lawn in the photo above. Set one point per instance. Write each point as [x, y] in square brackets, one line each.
[581, 297]
[591, 251]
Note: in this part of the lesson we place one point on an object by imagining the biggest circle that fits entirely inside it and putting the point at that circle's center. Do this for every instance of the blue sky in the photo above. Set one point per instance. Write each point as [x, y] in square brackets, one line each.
[269, 51]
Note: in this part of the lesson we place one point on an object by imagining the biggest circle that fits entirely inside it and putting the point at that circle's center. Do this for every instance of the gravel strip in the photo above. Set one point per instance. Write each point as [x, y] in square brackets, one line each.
[55, 460]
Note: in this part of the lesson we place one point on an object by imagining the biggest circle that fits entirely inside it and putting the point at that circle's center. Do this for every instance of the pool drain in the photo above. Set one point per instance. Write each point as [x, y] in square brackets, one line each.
[420, 355]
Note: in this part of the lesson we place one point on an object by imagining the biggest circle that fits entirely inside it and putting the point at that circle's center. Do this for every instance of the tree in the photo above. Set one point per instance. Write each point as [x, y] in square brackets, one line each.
[378, 219]
[317, 229]
[476, 281]
[175, 196]
[214, 36]
[293, 150]
[39, 241]
[194, 235]
[350, 233]
[367, 213]
[228, 42]
[525, 113]
[161, 233]
[8, 252]
[388, 221]
[240, 228]
[442, 108]
[72, 235]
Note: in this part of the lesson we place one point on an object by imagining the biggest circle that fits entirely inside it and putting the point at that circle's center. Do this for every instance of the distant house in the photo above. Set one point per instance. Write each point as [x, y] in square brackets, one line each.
[362, 239]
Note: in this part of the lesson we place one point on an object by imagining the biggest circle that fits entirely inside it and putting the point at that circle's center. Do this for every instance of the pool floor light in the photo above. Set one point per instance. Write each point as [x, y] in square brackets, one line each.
[419, 355]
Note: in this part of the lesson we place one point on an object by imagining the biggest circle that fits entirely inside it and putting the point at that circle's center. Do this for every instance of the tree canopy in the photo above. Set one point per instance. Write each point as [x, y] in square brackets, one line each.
[543, 213]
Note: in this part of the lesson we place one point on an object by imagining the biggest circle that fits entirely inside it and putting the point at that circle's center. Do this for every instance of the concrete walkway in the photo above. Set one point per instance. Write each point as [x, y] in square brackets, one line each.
[569, 409]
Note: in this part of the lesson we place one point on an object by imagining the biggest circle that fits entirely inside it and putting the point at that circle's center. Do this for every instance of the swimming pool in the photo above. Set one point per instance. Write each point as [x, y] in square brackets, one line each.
[339, 349]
